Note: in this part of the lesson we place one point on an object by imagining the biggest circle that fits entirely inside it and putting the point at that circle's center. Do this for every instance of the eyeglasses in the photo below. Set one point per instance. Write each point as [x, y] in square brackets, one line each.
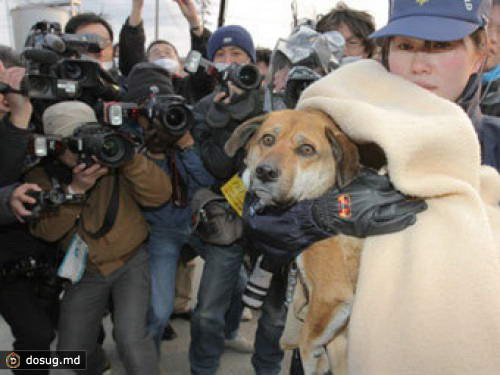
[353, 43]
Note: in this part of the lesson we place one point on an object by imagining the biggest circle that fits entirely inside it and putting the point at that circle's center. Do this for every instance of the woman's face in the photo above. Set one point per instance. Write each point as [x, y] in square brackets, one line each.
[441, 67]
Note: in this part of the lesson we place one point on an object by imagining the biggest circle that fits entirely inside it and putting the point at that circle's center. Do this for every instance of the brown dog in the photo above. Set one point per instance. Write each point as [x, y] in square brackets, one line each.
[294, 155]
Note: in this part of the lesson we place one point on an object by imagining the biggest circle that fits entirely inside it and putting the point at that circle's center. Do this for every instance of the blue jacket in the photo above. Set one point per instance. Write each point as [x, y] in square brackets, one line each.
[195, 176]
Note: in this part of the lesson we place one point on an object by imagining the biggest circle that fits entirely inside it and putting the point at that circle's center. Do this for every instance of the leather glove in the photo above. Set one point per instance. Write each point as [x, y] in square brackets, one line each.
[368, 206]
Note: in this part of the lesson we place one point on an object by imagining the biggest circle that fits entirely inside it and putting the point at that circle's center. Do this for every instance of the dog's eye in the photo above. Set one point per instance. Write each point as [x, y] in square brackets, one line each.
[268, 140]
[306, 150]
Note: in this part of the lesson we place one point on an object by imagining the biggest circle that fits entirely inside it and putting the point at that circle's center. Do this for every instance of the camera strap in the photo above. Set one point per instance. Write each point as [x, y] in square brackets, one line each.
[111, 212]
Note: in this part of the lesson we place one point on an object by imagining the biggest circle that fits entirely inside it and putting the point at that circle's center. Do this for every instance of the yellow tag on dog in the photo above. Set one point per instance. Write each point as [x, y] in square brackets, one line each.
[234, 191]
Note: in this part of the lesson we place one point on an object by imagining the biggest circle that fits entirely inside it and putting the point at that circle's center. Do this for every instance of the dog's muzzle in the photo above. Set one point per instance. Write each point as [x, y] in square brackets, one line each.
[267, 173]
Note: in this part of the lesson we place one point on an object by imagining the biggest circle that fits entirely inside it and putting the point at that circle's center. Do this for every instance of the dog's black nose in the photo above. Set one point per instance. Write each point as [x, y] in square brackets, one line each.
[267, 173]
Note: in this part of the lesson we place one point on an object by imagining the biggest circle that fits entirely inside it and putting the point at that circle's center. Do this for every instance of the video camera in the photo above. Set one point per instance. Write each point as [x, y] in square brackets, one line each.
[246, 76]
[50, 200]
[169, 112]
[52, 75]
[299, 78]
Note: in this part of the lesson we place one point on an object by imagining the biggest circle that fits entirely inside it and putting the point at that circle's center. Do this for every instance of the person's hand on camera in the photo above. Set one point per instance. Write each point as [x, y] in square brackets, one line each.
[186, 141]
[190, 13]
[368, 206]
[20, 197]
[85, 178]
[18, 105]
[227, 97]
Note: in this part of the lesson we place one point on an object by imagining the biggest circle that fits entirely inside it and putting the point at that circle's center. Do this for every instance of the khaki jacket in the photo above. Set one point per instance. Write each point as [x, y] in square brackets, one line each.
[142, 183]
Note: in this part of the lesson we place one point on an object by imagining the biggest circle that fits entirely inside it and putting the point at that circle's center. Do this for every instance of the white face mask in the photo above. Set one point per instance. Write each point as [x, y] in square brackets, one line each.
[220, 66]
[169, 64]
[107, 65]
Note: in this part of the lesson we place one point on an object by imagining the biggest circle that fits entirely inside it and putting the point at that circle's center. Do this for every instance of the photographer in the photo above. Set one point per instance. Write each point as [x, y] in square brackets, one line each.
[132, 40]
[27, 303]
[170, 224]
[215, 321]
[91, 23]
[109, 227]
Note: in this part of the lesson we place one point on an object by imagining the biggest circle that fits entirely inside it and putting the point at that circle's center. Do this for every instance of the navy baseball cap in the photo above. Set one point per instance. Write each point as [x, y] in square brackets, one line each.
[437, 20]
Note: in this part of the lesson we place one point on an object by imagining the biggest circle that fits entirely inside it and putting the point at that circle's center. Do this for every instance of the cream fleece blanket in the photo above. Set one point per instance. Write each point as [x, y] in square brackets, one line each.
[428, 297]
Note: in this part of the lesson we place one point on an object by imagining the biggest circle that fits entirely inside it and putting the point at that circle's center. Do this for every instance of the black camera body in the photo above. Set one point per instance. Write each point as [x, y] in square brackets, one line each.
[50, 200]
[246, 76]
[169, 113]
[111, 147]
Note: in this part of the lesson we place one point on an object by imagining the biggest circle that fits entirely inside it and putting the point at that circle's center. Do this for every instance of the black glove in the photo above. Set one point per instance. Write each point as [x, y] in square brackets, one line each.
[367, 206]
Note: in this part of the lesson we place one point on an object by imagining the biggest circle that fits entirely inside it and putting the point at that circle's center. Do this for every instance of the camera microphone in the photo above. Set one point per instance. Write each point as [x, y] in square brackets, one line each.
[55, 43]
[42, 56]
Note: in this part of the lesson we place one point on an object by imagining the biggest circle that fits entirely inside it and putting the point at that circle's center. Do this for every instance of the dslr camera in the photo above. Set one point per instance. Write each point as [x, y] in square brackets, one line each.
[111, 147]
[50, 200]
[169, 113]
[246, 76]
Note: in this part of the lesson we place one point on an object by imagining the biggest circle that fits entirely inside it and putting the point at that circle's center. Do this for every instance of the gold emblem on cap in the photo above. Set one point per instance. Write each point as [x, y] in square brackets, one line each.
[422, 2]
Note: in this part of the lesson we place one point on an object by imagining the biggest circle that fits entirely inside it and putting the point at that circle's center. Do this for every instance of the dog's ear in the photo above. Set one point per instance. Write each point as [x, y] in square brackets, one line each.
[345, 153]
[242, 134]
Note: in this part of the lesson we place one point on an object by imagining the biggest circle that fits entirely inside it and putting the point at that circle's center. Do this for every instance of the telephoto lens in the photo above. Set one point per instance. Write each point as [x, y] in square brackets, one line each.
[257, 285]
[246, 76]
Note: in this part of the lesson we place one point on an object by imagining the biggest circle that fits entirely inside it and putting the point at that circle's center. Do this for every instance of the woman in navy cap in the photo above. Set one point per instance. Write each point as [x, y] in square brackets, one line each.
[439, 45]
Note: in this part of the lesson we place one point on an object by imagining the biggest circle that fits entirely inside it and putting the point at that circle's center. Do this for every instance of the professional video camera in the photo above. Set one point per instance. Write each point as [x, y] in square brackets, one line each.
[50, 200]
[169, 113]
[298, 61]
[246, 76]
[111, 147]
[298, 79]
[51, 75]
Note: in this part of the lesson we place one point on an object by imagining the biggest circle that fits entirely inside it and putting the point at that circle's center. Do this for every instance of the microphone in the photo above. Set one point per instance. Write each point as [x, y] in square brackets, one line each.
[41, 56]
[55, 43]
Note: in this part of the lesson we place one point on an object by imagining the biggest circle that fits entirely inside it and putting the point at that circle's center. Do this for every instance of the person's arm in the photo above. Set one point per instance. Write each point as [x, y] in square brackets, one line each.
[149, 184]
[132, 39]
[14, 136]
[6, 214]
[52, 228]
[192, 162]
[368, 206]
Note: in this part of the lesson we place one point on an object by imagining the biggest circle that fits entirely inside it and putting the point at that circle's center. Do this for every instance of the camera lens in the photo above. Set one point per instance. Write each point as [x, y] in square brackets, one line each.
[72, 71]
[112, 148]
[175, 117]
[40, 87]
[249, 76]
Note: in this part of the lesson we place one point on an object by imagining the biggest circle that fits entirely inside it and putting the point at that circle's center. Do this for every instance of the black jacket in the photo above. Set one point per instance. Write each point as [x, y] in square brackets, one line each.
[15, 239]
[487, 127]
[191, 87]
[214, 124]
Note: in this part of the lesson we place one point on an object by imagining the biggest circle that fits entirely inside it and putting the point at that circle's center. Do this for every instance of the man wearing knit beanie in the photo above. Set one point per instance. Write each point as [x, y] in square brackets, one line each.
[230, 39]
[215, 320]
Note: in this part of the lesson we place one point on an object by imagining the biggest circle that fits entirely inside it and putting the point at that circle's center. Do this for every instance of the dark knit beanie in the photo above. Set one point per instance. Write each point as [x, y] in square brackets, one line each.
[232, 35]
[142, 77]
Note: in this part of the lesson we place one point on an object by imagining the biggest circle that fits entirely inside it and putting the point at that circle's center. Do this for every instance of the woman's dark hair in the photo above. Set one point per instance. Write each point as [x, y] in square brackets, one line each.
[360, 23]
[85, 19]
[478, 38]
